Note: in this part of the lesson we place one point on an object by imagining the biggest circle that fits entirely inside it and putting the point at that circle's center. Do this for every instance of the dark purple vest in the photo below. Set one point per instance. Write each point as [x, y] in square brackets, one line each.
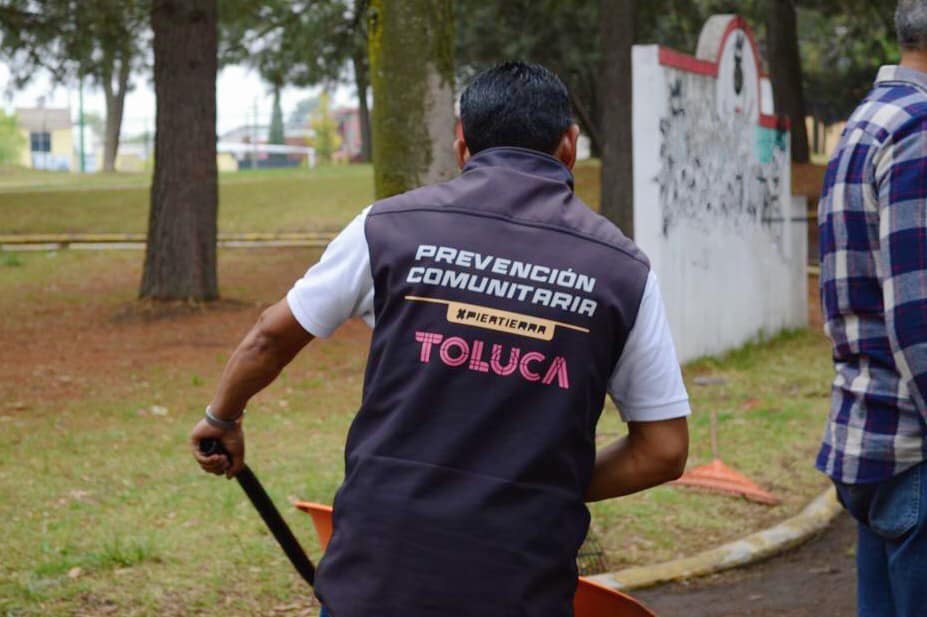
[502, 305]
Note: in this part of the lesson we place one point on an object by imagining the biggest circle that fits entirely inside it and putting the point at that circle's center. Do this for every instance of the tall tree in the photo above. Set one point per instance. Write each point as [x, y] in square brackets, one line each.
[785, 71]
[275, 134]
[118, 26]
[616, 38]
[357, 39]
[326, 140]
[11, 140]
[301, 43]
[560, 35]
[412, 73]
[180, 261]
[100, 39]
[301, 113]
[843, 43]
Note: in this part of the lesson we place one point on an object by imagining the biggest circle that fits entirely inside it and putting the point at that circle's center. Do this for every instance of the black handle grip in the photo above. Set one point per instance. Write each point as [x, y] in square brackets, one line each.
[212, 446]
[265, 507]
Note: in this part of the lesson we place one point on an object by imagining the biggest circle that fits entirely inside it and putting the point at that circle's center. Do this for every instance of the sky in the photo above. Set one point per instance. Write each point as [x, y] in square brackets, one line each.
[238, 91]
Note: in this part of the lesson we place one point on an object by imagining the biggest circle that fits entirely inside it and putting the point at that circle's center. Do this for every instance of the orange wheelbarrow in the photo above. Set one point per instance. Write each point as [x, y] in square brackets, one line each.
[591, 599]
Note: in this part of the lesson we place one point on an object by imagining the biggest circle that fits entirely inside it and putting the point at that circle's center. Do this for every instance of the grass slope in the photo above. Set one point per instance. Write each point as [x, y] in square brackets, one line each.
[105, 513]
[288, 200]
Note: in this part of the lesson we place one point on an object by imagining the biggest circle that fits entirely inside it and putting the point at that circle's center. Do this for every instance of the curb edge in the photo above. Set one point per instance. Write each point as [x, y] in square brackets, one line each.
[750, 549]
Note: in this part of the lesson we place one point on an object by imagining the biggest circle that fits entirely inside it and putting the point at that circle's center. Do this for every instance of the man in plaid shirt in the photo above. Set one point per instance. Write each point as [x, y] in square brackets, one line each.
[873, 231]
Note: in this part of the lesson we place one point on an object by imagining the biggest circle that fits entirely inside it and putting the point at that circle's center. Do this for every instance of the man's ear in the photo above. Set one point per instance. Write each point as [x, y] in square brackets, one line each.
[566, 149]
[461, 150]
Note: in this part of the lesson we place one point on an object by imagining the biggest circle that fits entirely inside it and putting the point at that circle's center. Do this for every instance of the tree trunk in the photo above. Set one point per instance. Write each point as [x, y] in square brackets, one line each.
[411, 51]
[585, 120]
[362, 75]
[361, 79]
[276, 135]
[115, 102]
[785, 71]
[617, 25]
[180, 261]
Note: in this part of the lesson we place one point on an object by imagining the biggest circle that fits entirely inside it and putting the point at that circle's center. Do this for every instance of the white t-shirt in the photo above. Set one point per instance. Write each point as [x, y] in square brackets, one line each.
[646, 384]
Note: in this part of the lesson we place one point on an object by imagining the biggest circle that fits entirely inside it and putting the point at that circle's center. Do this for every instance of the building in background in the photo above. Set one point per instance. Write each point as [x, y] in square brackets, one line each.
[246, 147]
[50, 136]
[349, 129]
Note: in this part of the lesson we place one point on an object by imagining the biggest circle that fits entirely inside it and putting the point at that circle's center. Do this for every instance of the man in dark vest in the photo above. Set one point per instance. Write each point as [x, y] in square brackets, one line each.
[503, 311]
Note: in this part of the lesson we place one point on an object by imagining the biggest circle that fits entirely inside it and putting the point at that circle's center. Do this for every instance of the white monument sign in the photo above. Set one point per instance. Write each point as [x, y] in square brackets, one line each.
[712, 196]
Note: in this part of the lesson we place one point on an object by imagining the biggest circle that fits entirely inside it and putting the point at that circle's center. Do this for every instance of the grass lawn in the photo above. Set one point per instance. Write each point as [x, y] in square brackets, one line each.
[105, 513]
[288, 200]
[269, 201]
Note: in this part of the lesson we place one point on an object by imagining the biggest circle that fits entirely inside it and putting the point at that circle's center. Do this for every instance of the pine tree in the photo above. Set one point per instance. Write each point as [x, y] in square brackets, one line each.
[180, 261]
[617, 27]
[102, 40]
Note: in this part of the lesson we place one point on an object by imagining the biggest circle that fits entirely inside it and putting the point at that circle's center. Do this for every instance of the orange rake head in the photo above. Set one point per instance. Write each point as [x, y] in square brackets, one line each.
[591, 599]
[719, 478]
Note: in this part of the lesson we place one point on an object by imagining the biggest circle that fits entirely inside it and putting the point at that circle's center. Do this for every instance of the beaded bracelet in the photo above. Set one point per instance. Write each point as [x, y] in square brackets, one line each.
[225, 425]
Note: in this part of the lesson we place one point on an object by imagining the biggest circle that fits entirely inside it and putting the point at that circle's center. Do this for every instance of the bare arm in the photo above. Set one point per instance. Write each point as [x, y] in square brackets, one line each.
[271, 344]
[652, 453]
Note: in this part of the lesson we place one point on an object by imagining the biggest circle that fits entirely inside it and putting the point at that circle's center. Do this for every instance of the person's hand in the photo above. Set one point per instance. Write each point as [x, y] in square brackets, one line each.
[233, 440]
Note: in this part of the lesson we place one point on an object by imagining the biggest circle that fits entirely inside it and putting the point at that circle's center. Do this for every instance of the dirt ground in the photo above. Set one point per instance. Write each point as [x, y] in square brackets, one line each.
[815, 580]
[58, 333]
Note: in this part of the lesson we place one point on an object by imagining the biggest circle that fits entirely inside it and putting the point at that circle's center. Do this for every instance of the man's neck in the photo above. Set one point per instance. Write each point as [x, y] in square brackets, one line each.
[914, 59]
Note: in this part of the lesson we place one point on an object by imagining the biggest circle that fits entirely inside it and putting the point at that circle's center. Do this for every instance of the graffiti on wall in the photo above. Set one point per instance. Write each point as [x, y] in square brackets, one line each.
[712, 198]
[718, 167]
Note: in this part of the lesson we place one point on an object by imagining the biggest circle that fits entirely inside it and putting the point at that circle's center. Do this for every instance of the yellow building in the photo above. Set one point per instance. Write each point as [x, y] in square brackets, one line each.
[49, 134]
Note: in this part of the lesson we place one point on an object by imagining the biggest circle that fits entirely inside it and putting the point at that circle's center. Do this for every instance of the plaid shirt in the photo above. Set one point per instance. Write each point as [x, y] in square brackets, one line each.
[873, 231]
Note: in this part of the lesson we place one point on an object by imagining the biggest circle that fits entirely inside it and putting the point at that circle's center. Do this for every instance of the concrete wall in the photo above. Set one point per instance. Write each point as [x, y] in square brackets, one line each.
[712, 201]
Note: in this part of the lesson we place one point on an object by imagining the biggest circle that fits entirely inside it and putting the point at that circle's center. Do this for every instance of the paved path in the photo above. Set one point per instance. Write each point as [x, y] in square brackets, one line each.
[815, 580]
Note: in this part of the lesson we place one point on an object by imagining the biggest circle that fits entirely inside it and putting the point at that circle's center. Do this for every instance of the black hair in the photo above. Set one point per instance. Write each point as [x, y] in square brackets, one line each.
[515, 104]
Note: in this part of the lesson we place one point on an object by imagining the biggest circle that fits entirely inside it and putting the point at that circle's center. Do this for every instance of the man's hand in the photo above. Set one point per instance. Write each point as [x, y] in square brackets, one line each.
[232, 440]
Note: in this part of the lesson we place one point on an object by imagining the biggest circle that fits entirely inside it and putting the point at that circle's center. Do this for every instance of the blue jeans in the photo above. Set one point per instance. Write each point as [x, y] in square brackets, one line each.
[891, 555]
[324, 612]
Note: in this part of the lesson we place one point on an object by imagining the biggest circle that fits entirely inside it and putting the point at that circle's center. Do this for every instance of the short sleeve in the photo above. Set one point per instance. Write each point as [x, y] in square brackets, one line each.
[339, 286]
[646, 384]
